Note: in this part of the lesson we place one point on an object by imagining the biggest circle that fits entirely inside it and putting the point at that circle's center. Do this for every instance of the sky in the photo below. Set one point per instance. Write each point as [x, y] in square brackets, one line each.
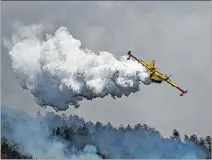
[176, 34]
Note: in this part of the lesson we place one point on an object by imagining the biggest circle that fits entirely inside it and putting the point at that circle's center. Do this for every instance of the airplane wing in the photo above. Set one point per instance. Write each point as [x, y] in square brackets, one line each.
[138, 60]
[167, 79]
[176, 86]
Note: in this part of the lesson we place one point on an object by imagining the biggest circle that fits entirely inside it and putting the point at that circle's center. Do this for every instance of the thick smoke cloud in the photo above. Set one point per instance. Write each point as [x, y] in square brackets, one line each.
[59, 73]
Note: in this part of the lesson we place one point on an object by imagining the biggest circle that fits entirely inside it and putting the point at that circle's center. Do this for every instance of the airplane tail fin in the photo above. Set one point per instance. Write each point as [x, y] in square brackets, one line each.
[152, 64]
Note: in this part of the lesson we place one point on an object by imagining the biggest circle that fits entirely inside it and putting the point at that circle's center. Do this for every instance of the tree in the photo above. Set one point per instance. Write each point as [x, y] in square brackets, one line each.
[176, 134]
[121, 128]
[128, 128]
[201, 141]
[58, 131]
[137, 127]
[186, 138]
[67, 133]
[109, 126]
[146, 127]
[10, 150]
[208, 141]
[193, 138]
[98, 125]
[85, 130]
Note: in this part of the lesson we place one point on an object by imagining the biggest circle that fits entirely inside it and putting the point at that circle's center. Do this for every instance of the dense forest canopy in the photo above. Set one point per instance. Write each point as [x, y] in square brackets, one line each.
[24, 136]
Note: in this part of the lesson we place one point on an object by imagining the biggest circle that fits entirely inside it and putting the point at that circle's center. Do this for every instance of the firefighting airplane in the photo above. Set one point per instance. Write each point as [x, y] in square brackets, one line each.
[155, 75]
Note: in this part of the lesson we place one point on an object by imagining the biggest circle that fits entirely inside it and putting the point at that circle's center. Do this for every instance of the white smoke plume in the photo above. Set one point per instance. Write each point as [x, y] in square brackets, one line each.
[59, 73]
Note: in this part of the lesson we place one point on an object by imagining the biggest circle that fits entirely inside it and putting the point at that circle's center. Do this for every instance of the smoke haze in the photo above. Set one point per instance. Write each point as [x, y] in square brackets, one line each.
[34, 135]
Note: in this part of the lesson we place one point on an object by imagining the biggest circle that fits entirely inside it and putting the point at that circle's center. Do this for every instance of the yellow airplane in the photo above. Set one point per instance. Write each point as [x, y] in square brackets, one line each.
[155, 75]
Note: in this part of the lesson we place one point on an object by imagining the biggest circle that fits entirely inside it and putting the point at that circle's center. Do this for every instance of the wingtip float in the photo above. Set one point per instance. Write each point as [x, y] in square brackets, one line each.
[155, 75]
